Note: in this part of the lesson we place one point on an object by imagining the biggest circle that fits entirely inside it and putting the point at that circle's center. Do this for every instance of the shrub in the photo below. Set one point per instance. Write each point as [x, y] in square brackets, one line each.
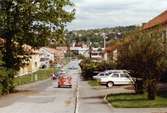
[90, 68]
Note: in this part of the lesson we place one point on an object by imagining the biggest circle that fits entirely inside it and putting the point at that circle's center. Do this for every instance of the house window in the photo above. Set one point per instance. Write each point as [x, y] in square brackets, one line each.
[36, 64]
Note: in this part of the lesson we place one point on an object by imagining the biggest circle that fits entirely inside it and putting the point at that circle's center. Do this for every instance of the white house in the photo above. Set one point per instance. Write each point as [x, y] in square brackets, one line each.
[80, 50]
[46, 56]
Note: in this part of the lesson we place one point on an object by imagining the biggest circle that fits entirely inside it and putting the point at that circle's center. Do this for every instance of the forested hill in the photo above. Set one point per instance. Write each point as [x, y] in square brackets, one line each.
[95, 35]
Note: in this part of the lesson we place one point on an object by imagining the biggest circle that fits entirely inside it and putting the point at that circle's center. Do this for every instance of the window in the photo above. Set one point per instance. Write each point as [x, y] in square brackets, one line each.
[35, 64]
[115, 75]
[102, 74]
[107, 74]
[125, 75]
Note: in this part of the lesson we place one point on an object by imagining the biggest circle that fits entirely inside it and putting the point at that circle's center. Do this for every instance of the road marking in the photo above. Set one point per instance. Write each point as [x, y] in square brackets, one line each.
[76, 110]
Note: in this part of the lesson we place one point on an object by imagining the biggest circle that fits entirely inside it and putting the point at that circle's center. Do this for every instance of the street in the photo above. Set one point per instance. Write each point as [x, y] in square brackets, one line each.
[42, 97]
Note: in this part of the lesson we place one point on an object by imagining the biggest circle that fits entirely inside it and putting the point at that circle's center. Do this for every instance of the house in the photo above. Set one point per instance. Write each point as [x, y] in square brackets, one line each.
[159, 24]
[47, 55]
[112, 52]
[97, 53]
[80, 50]
[60, 54]
[52, 55]
[33, 64]
[159, 20]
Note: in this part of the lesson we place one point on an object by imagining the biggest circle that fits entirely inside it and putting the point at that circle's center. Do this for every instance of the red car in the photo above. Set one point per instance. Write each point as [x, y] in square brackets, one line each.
[65, 81]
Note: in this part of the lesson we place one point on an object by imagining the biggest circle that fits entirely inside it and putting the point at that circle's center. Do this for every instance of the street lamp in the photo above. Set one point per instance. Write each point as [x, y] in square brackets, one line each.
[90, 50]
[104, 38]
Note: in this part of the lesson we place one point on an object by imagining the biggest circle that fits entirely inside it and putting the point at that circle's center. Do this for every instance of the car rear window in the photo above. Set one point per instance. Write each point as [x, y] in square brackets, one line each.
[125, 75]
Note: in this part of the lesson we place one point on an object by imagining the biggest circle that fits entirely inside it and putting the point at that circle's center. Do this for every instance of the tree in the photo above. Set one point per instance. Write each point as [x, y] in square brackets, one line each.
[145, 56]
[30, 22]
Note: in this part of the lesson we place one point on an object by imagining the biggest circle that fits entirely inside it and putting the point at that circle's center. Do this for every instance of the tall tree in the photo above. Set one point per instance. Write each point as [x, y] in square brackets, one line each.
[31, 22]
[144, 54]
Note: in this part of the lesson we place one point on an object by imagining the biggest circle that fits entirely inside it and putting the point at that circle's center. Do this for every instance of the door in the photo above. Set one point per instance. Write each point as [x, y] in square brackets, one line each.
[115, 78]
[125, 78]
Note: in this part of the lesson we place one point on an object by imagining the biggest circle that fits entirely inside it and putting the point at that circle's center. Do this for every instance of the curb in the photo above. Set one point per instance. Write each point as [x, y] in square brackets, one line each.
[105, 100]
[76, 110]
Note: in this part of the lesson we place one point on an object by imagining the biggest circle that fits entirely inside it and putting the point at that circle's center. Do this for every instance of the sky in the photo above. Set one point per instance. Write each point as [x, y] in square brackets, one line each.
[91, 14]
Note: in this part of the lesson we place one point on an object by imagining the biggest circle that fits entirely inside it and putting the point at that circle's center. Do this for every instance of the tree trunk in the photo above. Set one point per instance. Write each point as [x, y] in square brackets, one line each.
[139, 88]
[9, 60]
[151, 90]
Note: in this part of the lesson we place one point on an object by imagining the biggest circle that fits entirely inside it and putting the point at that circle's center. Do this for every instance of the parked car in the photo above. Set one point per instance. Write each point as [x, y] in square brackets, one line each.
[65, 80]
[100, 75]
[116, 79]
[117, 71]
[107, 73]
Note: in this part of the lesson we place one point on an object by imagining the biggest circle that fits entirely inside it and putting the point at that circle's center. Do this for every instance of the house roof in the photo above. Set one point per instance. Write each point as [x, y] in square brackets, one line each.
[57, 52]
[159, 20]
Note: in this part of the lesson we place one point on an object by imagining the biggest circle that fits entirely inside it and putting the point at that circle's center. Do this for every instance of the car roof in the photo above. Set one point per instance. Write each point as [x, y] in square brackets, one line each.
[115, 71]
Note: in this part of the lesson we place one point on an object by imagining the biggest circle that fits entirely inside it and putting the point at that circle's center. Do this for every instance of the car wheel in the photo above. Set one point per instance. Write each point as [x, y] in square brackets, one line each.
[110, 84]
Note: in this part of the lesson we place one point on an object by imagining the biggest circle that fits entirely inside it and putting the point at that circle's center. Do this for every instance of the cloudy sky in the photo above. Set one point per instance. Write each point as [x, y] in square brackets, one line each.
[110, 13]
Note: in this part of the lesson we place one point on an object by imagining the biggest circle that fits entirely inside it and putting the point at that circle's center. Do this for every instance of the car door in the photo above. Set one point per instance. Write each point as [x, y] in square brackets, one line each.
[125, 78]
[115, 78]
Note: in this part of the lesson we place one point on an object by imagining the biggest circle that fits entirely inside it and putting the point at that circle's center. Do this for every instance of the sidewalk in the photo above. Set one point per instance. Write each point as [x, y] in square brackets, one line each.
[92, 101]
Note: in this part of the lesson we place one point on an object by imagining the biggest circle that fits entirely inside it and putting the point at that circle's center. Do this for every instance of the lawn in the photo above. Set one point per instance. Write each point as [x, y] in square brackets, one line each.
[93, 83]
[39, 75]
[127, 100]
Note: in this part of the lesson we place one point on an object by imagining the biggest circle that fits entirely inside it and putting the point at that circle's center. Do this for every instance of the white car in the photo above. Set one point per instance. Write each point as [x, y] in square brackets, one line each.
[117, 71]
[107, 73]
[116, 79]
[100, 75]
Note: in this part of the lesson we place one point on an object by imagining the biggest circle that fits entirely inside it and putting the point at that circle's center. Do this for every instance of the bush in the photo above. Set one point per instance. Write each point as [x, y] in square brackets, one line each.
[90, 68]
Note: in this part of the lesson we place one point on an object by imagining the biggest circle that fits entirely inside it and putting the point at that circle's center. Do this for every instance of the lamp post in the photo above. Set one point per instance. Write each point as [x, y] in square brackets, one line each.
[104, 40]
[90, 50]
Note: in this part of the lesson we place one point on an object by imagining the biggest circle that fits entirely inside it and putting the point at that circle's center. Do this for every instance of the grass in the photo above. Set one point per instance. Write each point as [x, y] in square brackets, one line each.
[37, 76]
[93, 83]
[128, 100]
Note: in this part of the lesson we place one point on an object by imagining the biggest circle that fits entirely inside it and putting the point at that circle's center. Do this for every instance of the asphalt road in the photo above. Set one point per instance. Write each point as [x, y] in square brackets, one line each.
[42, 97]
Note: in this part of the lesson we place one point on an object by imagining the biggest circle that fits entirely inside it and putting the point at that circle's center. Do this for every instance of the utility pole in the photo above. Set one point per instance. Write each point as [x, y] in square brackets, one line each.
[90, 50]
[104, 40]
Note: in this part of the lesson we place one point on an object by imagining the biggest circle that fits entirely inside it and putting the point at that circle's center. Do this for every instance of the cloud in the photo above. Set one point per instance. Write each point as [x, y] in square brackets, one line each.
[109, 13]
